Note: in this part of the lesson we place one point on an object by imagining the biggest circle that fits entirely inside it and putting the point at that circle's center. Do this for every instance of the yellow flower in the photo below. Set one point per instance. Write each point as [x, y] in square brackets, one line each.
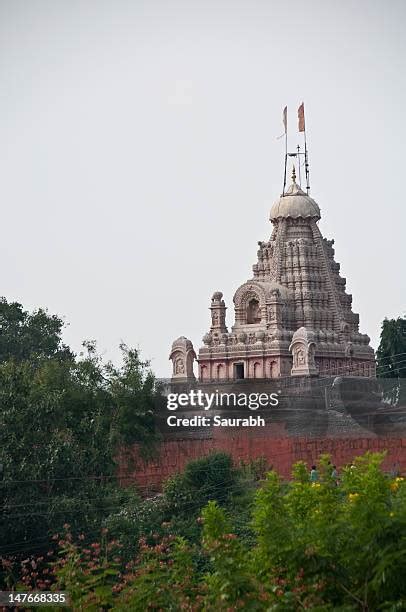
[315, 484]
[353, 496]
[391, 514]
[399, 479]
[394, 486]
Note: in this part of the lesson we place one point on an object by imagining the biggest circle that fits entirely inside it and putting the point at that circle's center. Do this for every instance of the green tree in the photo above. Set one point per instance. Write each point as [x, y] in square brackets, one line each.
[391, 353]
[24, 335]
[165, 579]
[230, 584]
[63, 421]
[184, 496]
[342, 545]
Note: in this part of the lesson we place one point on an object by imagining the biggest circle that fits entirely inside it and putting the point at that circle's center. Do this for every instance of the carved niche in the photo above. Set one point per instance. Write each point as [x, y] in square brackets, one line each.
[183, 357]
[249, 301]
[303, 349]
[253, 311]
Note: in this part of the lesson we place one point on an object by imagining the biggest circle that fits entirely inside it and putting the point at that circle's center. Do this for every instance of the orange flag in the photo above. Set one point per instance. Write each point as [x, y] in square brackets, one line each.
[301, 117]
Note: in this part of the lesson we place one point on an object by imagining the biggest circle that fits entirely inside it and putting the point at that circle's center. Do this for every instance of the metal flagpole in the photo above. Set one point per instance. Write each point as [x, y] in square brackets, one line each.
[306, 165]
[302, 128]
[298, 165]
[285, 123]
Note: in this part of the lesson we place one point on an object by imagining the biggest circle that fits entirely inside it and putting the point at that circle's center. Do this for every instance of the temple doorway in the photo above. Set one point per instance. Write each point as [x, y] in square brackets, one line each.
[239, 371]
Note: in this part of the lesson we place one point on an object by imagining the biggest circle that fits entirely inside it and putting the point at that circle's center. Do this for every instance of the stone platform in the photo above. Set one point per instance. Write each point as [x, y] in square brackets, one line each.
[312, 407]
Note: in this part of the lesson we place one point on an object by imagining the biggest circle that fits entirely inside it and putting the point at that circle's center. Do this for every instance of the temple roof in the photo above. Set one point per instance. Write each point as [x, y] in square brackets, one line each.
[294, 203]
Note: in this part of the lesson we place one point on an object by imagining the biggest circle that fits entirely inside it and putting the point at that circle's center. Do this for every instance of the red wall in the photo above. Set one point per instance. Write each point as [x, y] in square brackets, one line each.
[281, 453]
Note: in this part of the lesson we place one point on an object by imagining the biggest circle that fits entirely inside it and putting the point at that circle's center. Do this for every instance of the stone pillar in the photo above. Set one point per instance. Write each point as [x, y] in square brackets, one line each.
[218, 313]
[274, 311]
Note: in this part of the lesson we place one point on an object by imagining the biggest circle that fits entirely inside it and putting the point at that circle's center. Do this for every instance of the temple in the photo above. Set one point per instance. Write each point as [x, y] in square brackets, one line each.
[292, 318]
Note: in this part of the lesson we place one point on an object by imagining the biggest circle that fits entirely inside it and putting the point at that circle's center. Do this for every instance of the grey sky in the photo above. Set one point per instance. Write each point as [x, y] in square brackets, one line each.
[139, 160]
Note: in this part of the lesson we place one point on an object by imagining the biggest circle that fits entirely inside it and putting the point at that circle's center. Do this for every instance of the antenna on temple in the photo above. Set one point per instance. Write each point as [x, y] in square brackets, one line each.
[299, 164]
[302, 128]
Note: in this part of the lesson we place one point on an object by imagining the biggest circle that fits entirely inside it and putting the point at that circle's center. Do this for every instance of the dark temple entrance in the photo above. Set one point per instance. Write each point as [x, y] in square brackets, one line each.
[239, 371]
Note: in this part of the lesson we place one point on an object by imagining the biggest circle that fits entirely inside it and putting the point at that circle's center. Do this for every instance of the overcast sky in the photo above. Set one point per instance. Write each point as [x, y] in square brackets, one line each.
[139, 155]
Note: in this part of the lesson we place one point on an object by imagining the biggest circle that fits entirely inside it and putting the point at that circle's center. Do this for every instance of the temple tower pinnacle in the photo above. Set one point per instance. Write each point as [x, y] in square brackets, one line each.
[293, 317]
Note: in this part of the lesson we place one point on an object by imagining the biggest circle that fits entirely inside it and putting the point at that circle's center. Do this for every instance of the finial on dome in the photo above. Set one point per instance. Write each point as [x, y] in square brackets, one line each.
[294, 174]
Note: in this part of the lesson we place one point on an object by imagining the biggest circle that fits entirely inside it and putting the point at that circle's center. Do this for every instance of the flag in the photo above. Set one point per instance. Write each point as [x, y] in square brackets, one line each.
[301, 117]
[285, 123]
[285, 119]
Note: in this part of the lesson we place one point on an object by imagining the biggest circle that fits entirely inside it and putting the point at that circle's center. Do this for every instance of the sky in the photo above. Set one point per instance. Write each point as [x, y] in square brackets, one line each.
[139, 155]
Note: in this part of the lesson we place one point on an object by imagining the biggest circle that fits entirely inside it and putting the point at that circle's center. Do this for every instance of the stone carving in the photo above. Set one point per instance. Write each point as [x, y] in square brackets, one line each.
[179, 365]
[242, 337]
[311, 354]
[300, 357]
[253, 312]
[349, 350]
[303, 348]
[218, 313]
[182, 356]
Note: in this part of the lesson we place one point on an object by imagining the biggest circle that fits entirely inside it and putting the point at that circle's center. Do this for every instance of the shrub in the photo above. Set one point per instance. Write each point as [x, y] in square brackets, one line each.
[314, 545]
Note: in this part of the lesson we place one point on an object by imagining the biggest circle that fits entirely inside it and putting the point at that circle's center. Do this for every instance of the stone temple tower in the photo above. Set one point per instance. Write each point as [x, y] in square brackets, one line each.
[293, 317]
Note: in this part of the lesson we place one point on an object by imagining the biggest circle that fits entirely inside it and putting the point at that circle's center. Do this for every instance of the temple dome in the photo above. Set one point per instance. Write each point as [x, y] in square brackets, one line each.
[294, 203]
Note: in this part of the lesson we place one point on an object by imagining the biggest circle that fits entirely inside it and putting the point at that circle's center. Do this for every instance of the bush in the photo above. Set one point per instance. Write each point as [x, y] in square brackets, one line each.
[314, 545]
[184, 495]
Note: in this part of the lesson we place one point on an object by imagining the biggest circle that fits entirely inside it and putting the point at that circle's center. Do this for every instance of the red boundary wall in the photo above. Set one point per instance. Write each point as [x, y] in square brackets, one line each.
[281, 453]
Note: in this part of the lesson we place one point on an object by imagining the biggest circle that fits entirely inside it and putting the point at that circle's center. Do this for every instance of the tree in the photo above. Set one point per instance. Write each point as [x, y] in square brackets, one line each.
[391, 358]
[391, 353]
[24, 335]
[62, 422]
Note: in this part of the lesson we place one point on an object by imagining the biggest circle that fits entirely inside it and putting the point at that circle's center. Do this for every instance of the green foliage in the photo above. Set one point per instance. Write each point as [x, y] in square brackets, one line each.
[343, 540]
[265, 544]
[164, 579]
[255, 469]
[62, 422]
[209, 478]
[214, 474]
[25, 335]
[300, 472]
[87, 574]
[136, 519]
[133, 385]
[230, 582]
[184, 495]
[317, 546]
[391, 353]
